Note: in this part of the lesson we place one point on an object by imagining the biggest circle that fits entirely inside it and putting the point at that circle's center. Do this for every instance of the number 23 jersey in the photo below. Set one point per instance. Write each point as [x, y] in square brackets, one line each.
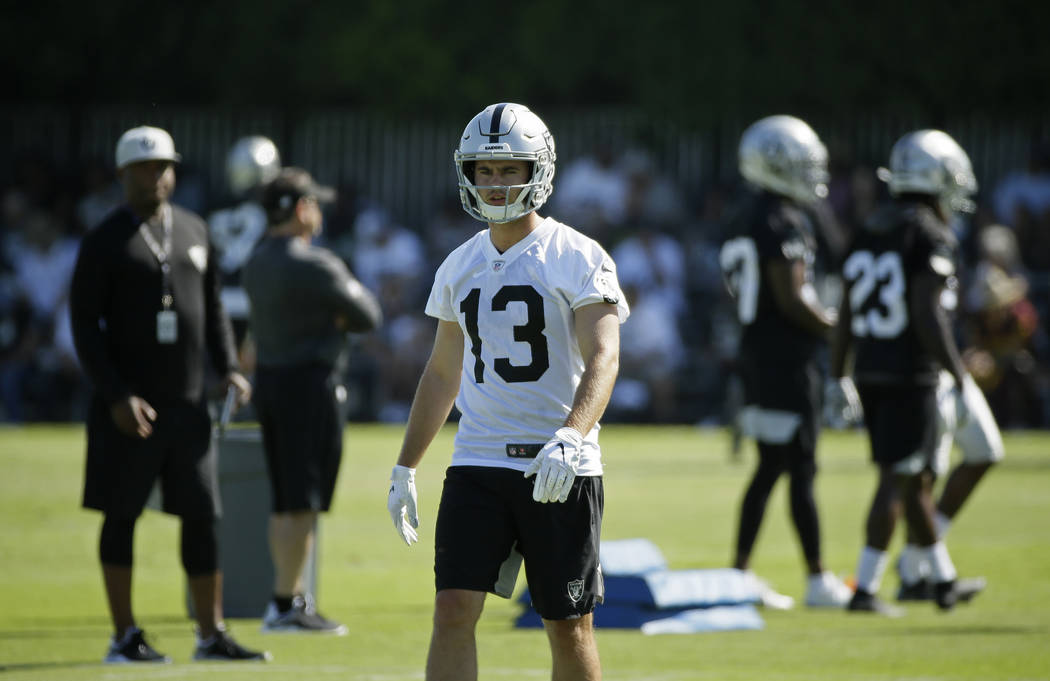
[902, 241]
[521, 359]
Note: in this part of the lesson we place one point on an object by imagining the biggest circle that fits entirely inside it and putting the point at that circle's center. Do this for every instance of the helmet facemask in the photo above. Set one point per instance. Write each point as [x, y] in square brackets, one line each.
[508, 132]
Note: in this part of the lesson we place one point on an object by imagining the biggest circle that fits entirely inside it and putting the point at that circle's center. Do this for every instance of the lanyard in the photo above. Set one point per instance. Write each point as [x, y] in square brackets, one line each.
[162, 252]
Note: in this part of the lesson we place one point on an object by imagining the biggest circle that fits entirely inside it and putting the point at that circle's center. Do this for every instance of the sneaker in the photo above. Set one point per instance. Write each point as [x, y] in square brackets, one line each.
[921, 590]
[945, 595]
[222, 648]
[827, 591]
[133, 649]
[862, 601]
[968, 587]
[302, 618]
[768, 596]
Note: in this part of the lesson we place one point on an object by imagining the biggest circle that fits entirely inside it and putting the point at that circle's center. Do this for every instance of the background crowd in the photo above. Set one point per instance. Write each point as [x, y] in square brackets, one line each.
[664, 234]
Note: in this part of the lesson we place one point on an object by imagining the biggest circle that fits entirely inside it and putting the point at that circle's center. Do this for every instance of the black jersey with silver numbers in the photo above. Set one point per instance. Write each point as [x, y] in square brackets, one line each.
[902, 241]
[766, 228]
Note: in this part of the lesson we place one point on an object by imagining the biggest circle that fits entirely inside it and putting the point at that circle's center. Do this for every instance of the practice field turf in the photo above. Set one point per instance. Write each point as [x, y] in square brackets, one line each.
[678, 487]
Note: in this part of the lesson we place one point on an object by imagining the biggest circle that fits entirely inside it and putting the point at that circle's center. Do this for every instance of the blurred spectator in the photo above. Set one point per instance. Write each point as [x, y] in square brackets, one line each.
[653, 198]
[591, 193]
[1001, 323]
[1022, 200]
[652, 352]
[339, 220]
[449, 228]
[383, 249]
[390, 260]
[399, 348]
[653, 263]
[101, 195]
[41, 375]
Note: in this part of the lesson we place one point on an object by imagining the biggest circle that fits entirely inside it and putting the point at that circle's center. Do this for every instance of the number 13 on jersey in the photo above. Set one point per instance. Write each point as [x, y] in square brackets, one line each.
[530, 332]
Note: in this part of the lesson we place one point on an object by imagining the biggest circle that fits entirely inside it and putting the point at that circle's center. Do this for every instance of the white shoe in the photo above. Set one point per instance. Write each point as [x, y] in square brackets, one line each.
[827, 591]
[768, 596]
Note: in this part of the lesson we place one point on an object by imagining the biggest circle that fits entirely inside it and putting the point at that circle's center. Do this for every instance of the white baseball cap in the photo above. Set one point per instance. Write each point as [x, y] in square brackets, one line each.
[145, 143]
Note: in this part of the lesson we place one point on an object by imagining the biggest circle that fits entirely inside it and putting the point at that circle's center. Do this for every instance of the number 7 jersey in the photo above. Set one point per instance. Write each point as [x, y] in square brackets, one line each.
[521, 358]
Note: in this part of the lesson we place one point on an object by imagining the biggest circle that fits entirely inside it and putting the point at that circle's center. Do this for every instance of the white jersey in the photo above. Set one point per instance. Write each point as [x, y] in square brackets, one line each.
[521, 359]
[234, 232]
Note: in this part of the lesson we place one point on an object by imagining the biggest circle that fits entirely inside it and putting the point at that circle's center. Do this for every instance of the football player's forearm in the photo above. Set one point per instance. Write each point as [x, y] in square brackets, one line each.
[431, 406]
[593, 393]
[841, 342]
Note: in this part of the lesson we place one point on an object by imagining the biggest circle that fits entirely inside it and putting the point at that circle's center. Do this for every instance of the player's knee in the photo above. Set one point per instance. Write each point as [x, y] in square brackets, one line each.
[457, 609]
[803, 472]
[117, 540]
[577, 628]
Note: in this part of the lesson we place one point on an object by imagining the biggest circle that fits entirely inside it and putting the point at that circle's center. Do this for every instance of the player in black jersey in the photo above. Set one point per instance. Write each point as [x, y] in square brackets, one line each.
[895, 327]
[768, 267]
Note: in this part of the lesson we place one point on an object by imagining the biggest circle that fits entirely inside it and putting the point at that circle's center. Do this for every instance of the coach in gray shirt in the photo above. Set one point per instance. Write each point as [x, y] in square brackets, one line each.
[304, 301]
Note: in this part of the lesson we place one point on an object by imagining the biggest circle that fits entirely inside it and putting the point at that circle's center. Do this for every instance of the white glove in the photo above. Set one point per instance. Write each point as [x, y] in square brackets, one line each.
[402, 503]
[842, 406]
[555, 466]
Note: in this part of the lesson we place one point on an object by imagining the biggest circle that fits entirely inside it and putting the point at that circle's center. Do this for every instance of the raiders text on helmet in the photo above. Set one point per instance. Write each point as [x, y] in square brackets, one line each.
[783, 155]
[251, 162]
[931, 162]
[509, 132]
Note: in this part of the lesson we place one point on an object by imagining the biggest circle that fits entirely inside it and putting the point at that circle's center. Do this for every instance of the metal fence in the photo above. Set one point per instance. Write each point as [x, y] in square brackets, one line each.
[405, 164]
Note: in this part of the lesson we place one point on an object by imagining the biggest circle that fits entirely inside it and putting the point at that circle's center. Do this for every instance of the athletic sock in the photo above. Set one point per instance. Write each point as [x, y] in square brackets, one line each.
[870, 568]
[283, 603]
[912, 565]
[941, 567]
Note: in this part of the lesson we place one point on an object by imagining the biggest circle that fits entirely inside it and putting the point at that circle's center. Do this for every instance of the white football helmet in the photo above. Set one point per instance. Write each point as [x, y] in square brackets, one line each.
[505, 131]
[782, 154]
[251, 162]
[931, 162]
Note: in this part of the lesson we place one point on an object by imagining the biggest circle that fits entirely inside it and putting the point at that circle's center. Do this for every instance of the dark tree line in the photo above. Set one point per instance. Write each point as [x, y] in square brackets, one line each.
[700, 60]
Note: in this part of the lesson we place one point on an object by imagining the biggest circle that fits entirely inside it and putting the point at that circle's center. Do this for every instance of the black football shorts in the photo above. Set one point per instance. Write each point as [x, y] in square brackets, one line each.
[902, 425]
[121, 470]
[302, 429]
[487, 517]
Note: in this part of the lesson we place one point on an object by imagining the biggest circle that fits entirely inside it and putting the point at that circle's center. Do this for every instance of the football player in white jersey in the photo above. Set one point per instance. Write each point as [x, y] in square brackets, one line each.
[527, 348]
[251, 163]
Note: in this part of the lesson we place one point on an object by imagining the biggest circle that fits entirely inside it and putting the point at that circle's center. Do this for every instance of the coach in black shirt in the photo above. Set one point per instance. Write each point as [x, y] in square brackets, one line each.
[145, 313]
[303, 300]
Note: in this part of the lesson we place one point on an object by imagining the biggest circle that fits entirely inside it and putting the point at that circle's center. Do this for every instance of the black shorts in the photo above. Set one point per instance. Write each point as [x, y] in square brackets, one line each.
[486, 514]
[121, 470]
[902, 424]
[781, 386]
[302, 428]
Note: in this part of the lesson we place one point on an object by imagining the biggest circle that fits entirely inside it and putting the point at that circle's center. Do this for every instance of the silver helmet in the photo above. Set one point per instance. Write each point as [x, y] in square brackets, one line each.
[931, 162]
[782, 154]
[510, 132]
[251, 162]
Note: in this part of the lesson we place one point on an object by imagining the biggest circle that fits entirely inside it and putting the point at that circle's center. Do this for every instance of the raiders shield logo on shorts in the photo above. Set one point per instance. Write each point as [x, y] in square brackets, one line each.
[575, 590]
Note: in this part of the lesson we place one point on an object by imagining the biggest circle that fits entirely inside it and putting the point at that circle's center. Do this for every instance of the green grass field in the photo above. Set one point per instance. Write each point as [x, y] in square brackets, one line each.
[676, 486]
